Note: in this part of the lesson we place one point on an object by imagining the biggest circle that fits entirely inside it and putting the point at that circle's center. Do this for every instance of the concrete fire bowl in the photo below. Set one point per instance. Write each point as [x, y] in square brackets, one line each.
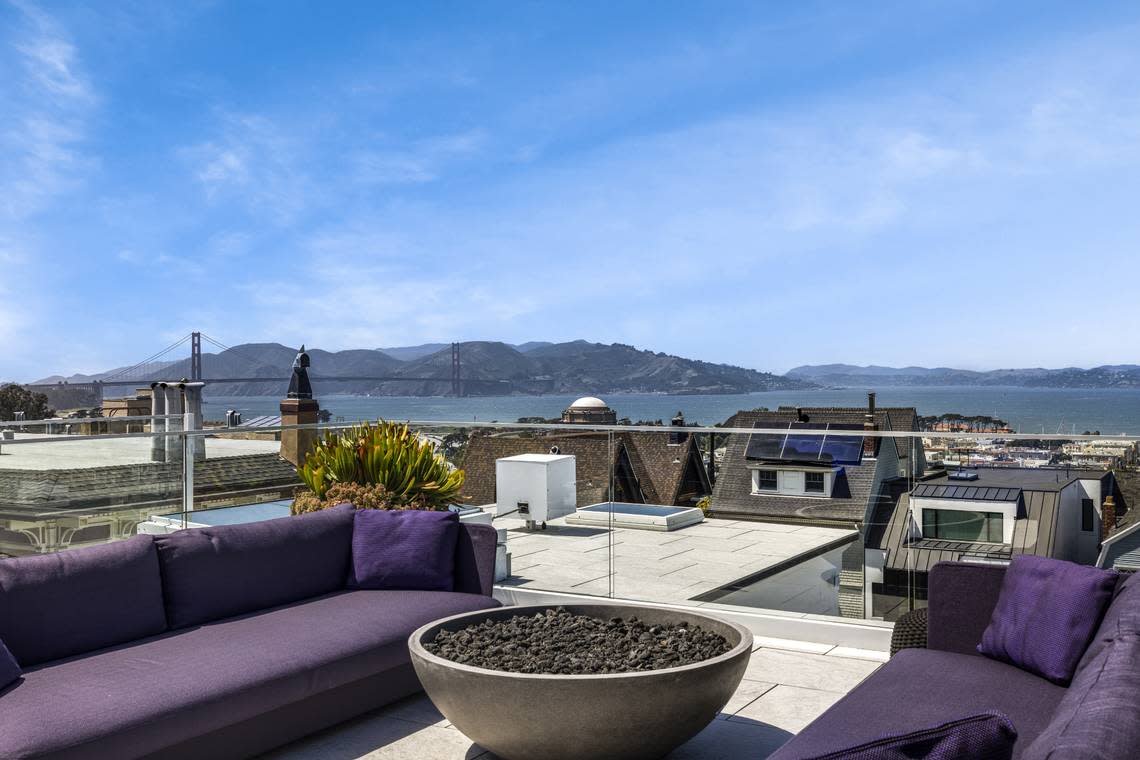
[619, 716]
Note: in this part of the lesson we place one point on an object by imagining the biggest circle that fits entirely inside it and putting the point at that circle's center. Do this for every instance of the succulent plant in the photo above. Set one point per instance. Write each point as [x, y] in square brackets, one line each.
[397, 469]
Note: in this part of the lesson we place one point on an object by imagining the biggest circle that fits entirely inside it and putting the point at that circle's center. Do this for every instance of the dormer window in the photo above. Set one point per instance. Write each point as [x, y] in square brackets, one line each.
[765, 480]
[790, 481]
[813, 482]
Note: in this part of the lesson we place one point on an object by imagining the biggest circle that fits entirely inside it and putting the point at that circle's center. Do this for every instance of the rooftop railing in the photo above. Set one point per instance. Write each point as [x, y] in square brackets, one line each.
[844, 521]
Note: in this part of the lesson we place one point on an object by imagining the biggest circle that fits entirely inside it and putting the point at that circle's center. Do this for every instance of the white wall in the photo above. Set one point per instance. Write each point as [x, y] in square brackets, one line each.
[791, 482]
[1069, 541]
[1008, 511]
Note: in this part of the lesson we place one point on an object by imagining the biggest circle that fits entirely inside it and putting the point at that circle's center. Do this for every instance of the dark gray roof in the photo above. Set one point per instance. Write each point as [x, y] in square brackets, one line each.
[733, 490]
[1029, 478]
[897, 418]
[966, 492]
[1032, 535]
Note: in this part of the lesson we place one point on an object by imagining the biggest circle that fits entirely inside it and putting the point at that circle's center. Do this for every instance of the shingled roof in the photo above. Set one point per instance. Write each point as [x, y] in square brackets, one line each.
[655, 468]
[733, 492]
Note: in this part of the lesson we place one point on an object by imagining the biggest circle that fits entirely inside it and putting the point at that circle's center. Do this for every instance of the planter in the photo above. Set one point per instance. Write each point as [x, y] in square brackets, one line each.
[617, 716]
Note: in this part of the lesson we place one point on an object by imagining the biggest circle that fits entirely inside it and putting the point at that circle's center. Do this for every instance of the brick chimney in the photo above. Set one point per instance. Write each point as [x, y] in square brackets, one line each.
[1107, 517]
[870, 443]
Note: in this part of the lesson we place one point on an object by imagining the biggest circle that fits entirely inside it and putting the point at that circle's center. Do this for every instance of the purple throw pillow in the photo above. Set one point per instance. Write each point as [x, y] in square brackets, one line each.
[1046, 615]
[405, 549]
[985, 736]
[9, 668]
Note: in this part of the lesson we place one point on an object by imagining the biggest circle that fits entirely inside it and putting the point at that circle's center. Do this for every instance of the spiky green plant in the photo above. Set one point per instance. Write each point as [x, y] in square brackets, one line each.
[387, 458]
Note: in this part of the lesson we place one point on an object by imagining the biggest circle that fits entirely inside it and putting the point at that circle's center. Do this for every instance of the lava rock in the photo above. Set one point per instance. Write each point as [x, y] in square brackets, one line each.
[560, 643]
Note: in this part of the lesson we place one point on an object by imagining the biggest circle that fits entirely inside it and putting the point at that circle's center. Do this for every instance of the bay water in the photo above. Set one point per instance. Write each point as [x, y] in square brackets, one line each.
[1027, 410]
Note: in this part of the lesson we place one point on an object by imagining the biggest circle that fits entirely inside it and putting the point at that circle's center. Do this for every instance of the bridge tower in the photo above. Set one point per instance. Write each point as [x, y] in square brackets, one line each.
[195, 356]
[456, 371]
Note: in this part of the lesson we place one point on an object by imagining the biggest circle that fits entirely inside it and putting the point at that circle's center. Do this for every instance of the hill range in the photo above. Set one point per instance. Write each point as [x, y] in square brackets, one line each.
[489, 368]
[852, 376]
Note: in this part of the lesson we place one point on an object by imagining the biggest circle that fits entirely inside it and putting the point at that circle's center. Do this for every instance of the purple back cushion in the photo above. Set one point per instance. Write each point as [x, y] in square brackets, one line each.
[1096, 717]
[214, 573]
[986, 736]
[9, 668]
[1046, 615]
[405, 549]
[75, 601]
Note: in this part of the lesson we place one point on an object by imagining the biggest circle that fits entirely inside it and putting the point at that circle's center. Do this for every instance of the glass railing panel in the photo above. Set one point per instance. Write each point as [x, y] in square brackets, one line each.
[710, 518]
[529, 480]
[63, 488]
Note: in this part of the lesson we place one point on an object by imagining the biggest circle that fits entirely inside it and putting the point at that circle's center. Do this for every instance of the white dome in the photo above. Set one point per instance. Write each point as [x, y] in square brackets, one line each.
[589, 402]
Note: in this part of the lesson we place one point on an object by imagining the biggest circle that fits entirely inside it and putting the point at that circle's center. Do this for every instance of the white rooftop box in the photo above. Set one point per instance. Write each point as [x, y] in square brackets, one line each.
[535, 487]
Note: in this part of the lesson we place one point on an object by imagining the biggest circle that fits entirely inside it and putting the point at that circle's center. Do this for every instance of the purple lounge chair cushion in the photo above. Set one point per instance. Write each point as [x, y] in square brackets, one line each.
[1046, 615]
[925, 687]
[9, 668]
[79, 600]
[214, 573]
[1122, 618]
[404, 549]
[1097, 716]
[986, 736]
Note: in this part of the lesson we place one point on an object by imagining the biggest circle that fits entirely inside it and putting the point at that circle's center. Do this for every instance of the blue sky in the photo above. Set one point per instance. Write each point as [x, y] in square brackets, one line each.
[761, 184]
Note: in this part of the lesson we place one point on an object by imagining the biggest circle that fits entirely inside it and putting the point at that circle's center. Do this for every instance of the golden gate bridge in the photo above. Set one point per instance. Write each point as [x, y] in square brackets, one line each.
[159, 366]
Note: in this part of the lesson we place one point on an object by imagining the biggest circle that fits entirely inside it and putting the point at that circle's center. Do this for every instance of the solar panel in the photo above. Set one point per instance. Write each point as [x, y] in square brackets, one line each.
[827, 444]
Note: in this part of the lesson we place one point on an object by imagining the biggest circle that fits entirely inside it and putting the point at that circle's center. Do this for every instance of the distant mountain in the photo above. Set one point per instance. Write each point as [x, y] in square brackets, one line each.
[411, 353]
[849, 375]
[530, 345]
[487, 368]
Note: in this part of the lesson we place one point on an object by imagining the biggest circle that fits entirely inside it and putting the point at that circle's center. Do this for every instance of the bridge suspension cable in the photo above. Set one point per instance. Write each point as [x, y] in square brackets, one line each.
[218, 344]
[149, 360]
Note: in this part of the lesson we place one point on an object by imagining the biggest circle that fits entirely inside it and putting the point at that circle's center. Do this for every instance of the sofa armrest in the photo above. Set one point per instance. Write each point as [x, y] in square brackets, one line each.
[475, 559]
[960, 600]
[909, 631]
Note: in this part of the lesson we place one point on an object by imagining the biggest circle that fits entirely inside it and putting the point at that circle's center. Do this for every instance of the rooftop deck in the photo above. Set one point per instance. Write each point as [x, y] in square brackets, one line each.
[787, 685]
[72, 455]
[666, 567]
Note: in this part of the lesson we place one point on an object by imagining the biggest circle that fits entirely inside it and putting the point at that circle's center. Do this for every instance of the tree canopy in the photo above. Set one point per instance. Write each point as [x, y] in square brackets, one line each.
[16, 398]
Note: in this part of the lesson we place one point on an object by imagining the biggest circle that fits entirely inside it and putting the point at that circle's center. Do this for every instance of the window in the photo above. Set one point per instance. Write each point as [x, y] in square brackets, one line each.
[764, 480]
[957, 525]
[1086, 515]
[813, 482]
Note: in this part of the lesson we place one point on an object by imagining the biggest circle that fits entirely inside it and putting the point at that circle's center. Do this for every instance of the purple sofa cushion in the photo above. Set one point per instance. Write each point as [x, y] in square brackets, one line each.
[141, 699]
[9, 668]
[1097, 717]
[1121, 619]
[475, 558]
[962, 598]
[79, 600]
[986, 736]
[1046, 615]
[214, 573]
[404, 549]
[925, 687]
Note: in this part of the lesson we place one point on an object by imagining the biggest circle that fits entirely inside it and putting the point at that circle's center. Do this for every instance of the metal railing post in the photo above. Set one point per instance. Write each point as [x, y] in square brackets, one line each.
[187, 463]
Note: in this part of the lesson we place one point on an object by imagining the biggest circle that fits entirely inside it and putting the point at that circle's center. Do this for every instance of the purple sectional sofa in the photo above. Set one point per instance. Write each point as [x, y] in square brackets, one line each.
[211, 642]
[1096, 716]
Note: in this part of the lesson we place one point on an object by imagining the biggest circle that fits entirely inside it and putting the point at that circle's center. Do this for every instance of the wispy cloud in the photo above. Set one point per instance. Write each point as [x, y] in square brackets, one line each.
[48, 101]
[421, 161]
[256, 163]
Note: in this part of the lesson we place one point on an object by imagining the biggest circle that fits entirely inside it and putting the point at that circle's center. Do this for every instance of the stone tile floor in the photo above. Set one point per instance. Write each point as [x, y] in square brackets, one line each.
[659, 566]
[787, 684]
